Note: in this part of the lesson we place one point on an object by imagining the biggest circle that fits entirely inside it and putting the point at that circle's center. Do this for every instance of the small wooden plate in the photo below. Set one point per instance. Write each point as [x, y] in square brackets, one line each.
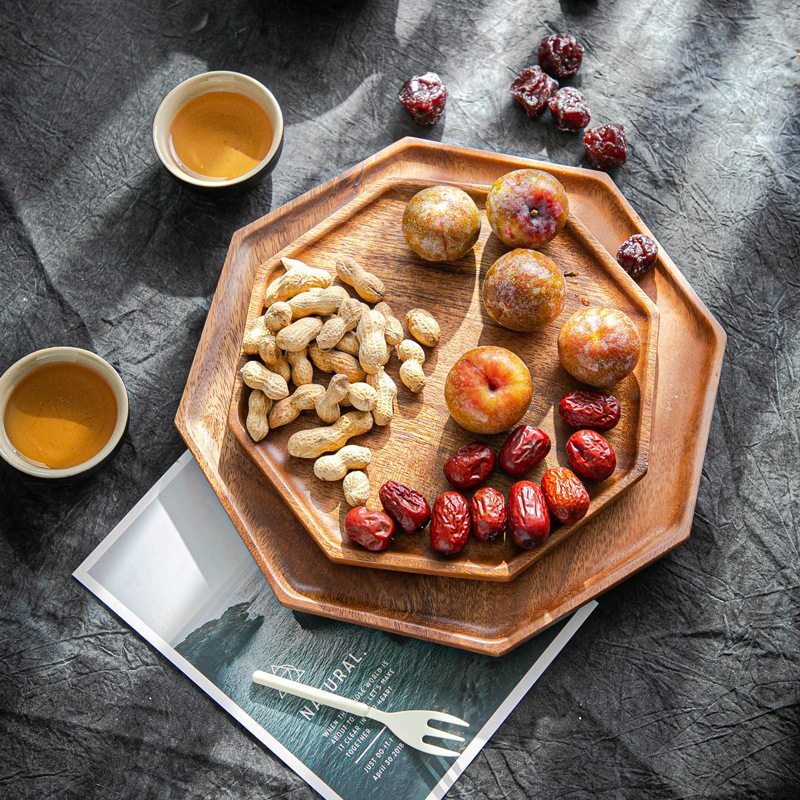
[422, 435]
[647, 521]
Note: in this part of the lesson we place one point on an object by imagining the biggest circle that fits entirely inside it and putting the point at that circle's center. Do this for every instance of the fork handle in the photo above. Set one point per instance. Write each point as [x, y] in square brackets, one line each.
[311, 693]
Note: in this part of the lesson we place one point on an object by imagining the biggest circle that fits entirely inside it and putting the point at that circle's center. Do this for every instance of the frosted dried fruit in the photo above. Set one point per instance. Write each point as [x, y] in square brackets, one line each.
[605, 146]
[560, 55]
[424, 97]
[569, 109]
[532, 88]
[637, 255]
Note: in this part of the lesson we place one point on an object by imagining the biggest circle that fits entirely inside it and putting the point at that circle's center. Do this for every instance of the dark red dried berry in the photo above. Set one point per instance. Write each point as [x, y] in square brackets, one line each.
[605, 146]
[424, 96]
[532, 89]
[470, 465]
[569, 109]
[637, 255]
[591, 456]
[560, 55]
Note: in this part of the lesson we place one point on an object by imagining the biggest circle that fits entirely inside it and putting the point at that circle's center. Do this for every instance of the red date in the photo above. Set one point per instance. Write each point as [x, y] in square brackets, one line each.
[488, 511]
[369, 528]
[470, 465]
[584, 409]
[566, 496]
[591, 456]
[524, 449]
[450, 523]
[528, 520]
[406, 506]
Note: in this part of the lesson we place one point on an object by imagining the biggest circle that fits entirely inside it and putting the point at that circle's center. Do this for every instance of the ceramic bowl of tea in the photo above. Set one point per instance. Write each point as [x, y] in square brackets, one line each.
[63, 412]
[219, 132]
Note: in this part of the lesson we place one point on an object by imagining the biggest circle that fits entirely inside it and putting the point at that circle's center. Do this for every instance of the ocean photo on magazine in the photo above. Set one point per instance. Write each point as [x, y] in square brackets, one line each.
[183, 570]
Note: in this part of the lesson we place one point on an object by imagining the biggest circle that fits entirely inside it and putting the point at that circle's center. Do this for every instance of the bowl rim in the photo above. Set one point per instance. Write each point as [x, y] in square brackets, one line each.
[11, 378]
[212, 81]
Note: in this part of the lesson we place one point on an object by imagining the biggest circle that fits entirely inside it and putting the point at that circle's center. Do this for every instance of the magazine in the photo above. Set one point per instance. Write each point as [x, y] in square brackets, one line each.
[176, 571]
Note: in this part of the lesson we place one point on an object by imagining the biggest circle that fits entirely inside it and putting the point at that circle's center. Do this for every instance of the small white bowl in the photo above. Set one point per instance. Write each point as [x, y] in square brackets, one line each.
[220, 81]
[61, 355]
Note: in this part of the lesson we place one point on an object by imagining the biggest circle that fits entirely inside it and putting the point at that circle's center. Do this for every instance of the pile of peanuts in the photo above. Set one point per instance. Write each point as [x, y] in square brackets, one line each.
[310, 323]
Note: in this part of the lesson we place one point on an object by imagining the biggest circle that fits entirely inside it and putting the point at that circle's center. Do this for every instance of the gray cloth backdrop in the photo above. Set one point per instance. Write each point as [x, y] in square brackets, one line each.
[685, 682]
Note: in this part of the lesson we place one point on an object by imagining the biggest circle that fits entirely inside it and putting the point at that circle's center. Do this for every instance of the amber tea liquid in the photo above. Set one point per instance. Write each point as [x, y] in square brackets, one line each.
[220, 135]
[60, 415]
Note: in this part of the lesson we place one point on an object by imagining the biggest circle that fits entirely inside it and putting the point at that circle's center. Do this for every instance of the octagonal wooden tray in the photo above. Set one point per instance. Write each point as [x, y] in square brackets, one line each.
[487, 617]
[422, 435]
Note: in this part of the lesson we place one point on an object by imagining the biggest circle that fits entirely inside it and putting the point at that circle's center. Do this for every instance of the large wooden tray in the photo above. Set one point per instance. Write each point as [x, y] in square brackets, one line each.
[420, 438]
[650, 519]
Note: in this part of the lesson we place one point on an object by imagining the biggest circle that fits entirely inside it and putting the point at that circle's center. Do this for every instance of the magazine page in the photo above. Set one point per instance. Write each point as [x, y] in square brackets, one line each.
[176, 570]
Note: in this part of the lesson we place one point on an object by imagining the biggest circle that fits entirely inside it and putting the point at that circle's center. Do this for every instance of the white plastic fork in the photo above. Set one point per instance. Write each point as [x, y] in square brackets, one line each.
[410, 726]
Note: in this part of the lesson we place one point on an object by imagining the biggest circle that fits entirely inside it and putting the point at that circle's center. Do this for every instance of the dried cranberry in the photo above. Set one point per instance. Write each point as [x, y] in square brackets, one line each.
[605, 146]
[406, 506]
[470, 465]
[560, 55]
[569, 109]
[637, 255]
[591, 456]
[532, 89]
[424, 96]
[583, 409]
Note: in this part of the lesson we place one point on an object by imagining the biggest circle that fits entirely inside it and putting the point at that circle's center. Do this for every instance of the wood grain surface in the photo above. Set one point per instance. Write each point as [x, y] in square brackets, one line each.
[647, 521]
[422, 435]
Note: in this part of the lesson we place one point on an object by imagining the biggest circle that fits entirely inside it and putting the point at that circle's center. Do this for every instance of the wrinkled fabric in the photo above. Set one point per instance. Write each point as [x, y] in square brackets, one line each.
[684, 683]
